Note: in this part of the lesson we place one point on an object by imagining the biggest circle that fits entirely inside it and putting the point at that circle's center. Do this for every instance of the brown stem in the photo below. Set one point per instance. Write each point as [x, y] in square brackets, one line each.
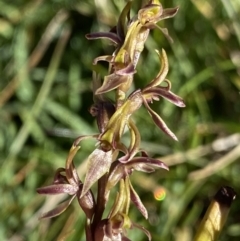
[101, 201]
[88, 231]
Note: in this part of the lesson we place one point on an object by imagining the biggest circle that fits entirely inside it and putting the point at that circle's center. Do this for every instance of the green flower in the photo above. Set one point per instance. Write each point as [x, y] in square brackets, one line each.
[129, 38]
[118, 222]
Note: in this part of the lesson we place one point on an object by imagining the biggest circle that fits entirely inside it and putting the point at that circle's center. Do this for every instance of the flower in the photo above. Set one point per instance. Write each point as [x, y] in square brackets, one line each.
[129, 38]
[114, 228]
[121, 171]
[152, 92]
[66, 181]
[112, 161]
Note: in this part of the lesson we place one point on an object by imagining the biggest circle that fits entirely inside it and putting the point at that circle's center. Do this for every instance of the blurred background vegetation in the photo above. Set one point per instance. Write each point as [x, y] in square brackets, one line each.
[45, 94]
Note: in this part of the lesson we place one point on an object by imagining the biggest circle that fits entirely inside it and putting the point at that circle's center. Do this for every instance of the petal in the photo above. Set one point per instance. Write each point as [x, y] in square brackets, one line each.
[144, 164]
[117, 172]
[122, 23]
[122, 63]
[159, 122]
[59, 178]
[143, 229]
[58, 210]
[169, 13]
[99, 163]
[107, 58]
[58, 189]
[81, 138]
[165, 33]
[71, 174]
[134, 42]
[106, 35]
[121, 205]
[141, 38]
[137, 202]
[165, 93]
[111, 82]
[118, 121]
[163, 71]
[103, 111]
[134, 144]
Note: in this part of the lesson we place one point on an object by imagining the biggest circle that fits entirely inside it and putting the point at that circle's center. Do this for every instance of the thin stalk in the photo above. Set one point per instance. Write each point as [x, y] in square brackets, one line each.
[101, 201]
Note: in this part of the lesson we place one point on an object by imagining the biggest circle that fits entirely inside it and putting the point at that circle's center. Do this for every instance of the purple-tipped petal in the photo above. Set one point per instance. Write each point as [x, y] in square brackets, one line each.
[111, 82]
[144, 164]
[58, 210]
[137, 201]
[106, 35]
[159, 122]
[99, 163]
[169, 13]
[165, 93]
[58, 189]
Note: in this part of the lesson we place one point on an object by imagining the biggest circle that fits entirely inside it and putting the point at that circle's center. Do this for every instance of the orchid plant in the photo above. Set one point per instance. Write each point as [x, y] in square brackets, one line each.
[112, 162]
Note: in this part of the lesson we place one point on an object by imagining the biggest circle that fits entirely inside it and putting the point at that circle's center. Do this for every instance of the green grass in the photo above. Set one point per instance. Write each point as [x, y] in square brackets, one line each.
[45, 94]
